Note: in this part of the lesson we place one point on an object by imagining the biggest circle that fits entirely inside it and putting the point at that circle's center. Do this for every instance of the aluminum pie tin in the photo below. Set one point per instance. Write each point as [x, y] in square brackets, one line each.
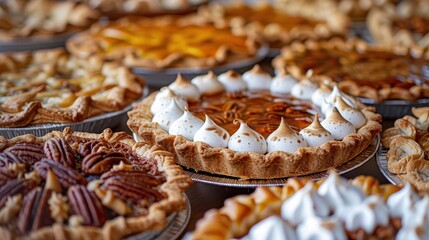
[34, 43]
[394, 109]
[382, 164]
[176, 225]
[367, 154]
[160, 78]
[94, 124]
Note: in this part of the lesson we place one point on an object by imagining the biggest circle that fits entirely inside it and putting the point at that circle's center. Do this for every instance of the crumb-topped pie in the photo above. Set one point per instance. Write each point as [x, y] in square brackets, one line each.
[278, 27]
[43, 18]
[74, 185]
[163, 42]
[330, 209]
[252, 126]
[50, 86]
[404, 24]
[360, 69]
[408, 144]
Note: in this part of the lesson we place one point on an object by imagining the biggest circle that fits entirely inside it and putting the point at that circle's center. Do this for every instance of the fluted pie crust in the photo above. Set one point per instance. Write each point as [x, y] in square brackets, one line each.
[361, 70]
[50, 86]
[240, 213]
[249, 165]
[116, 227]
[163, 42]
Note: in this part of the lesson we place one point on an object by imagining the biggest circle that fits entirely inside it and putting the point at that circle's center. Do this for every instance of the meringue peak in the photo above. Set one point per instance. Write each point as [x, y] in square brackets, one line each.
[337, 125]
[208, 84]
[315, 134]
[246, 139]
[185, 88]
[187, 125]
[212, 134]
[284, 138]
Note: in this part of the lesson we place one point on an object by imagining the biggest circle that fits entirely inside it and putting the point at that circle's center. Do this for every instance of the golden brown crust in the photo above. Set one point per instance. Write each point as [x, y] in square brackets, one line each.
[248, 165]
[50, 86]
[355, 73]
[176, 183]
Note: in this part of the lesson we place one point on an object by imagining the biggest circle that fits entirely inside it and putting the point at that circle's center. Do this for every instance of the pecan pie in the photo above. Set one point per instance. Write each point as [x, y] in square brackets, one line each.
[408, 144]
[361, 70]
[163, 42]
[251, 125]
[332, 208]
[278, 27]
[57, 186]
[405, 24]
[43, 18]
[50, 86]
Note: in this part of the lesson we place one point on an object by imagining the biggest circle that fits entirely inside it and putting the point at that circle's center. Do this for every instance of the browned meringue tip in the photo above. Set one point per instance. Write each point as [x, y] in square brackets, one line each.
[342, 104]
[232, 74]
[284, 128]
[257, 69]
[325, 88]
[180, 79]
[211, 74]
[336, 116]
[316, 122]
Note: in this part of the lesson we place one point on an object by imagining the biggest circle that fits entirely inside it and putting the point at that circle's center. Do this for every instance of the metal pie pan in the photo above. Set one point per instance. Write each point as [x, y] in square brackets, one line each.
[394, 109]
[176, 225]
[94, 124]
[160, 78]
[34, 43]
[382, 164]
[354, 163]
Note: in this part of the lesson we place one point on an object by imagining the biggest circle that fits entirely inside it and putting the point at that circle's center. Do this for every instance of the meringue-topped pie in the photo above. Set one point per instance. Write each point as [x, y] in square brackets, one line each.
[361, 70]
[50, 86]
[72, 185]
[329, 209]
[278, 26]
[163, 42]
[253, 126]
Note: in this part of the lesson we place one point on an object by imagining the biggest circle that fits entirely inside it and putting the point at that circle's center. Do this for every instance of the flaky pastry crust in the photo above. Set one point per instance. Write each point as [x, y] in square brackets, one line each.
[50, 86]
[117, 228]
[248, 165]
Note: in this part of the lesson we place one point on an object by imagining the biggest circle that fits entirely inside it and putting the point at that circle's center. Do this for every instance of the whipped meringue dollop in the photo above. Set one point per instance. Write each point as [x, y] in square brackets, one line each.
[282, 83]
[284, 138]
[187, 125]
[271, 228]
[304, 89]
[315, 134]
[303, 204]
[246, 139]
[257, 79]
[316, 228]
[402, 201]
[337, 125]
[320, 95]
[185, 89]
[232, 81]
[208, 84]
[167, 116]
[163, 99]
[212, 134]
[330, 100]
[353, 115]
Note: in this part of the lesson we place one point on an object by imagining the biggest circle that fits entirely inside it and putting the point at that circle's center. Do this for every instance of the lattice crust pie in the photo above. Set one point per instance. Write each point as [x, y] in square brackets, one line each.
[404, 24]
[43, 18]
[74, 185]
[333, 208]
[408, 143]
[278, 27]
[163, 42]
[254, 127]
[52, 87]
[361, 70]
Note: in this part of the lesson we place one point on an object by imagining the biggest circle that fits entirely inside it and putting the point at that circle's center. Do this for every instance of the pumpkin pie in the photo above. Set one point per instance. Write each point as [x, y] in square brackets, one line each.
[279, 26]
[50, 86]
[253, 126]
[21, 19]
[332, 208]
[163, 42]
[72, 185]
[359, 69]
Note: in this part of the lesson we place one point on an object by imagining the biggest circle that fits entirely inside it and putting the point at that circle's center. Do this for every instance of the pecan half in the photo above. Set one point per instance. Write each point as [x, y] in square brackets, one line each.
[101, 162]
[133, 185]
[66, 176]
[26, 153]
[16, 186]
[57, 149]
[35, 211]
[90, 147]
[6, 175]
[86, 204]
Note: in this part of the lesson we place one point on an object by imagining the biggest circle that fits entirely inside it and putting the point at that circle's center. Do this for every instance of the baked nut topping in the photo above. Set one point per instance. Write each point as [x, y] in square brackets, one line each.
[359, 69]
[43, 18]
[114, 188]
[163, 42]
[49, 86]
